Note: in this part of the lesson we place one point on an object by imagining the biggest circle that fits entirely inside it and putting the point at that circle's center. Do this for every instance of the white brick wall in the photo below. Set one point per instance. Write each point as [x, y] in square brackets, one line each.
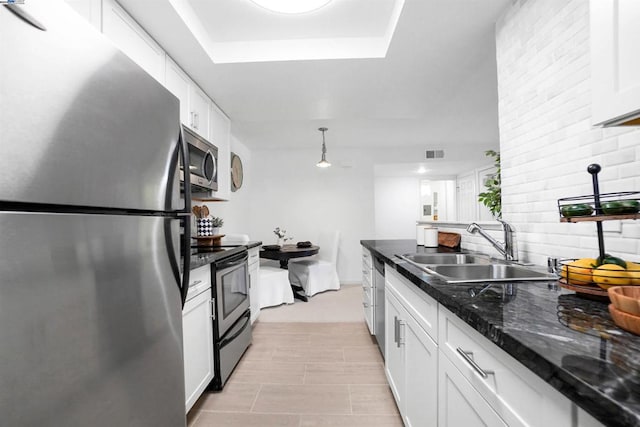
[546, 137]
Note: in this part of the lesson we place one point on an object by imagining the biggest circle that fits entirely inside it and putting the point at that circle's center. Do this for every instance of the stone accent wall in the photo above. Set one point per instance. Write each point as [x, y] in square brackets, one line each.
[546, 137]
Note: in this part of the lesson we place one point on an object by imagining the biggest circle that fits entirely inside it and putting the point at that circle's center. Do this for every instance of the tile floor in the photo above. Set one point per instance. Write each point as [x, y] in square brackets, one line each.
[303, 374]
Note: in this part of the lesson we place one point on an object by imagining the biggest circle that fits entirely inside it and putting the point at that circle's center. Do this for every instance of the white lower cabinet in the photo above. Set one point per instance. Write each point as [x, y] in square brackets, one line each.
[411, 360]
[368, 293]
[197, 336]
[443, 372]
[518, 396]
[459, 404]
[254, 284]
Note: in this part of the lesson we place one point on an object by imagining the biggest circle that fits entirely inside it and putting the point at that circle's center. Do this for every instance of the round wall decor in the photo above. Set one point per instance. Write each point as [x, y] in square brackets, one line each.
[236, 172]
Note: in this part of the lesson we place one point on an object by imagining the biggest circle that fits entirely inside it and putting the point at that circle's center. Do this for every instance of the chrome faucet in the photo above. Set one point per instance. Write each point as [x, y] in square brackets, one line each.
[508, 249]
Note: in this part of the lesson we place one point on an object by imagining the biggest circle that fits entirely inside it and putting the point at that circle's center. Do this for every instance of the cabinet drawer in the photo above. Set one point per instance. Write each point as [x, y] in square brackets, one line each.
[367, 306]
[366, 255]
[254, 255]
[200, 276]
[516, 394]
[366, 281]
[367, 263]
[420, 305]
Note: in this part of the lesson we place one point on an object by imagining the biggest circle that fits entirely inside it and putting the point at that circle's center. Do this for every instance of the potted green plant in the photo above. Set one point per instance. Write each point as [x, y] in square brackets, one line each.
[492, 196]
[216, 223]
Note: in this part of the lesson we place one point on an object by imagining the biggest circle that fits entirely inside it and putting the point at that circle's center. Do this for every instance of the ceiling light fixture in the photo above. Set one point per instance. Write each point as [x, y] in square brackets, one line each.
[323, 161]
[292, 6]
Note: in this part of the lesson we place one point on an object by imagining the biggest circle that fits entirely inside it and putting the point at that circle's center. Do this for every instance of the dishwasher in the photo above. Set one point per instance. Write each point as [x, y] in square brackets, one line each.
[378, 292]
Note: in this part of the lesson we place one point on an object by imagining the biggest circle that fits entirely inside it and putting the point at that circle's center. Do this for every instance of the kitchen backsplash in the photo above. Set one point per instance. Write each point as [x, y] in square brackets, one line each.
[547, 140]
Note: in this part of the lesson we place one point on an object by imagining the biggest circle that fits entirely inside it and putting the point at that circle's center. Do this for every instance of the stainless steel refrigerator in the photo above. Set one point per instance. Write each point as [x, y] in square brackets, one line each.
[90, 215]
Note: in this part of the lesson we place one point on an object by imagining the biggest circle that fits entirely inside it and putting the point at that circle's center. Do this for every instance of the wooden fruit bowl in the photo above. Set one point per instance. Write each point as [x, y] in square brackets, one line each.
[626, 299]
[626, 321]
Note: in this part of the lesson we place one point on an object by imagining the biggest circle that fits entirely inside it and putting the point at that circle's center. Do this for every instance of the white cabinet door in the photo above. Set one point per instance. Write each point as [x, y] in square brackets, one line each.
[90, 10]
[178, 83]
[459, 404]
[254, 283]
[394, 351]
[199, 111]
[615, 63]
[131, 38]
[197, 331]
[421, 375]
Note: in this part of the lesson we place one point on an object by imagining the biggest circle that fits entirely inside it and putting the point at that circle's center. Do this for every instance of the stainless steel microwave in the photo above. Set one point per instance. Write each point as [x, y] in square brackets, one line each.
[203, 162]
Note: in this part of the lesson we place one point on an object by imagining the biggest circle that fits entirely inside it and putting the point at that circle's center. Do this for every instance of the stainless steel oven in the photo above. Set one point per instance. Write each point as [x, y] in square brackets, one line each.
[232, 325]
[203, 162]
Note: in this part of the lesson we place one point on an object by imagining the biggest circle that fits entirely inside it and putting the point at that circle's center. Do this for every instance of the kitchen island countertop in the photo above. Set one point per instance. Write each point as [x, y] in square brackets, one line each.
[568, 341]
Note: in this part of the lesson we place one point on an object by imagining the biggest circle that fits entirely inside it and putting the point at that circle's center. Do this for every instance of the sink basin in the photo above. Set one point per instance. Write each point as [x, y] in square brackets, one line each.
[429, 259]
[470, 273]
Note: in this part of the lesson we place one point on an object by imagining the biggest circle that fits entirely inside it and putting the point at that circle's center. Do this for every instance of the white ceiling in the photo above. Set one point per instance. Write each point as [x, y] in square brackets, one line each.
[235, 31]
[436, 87]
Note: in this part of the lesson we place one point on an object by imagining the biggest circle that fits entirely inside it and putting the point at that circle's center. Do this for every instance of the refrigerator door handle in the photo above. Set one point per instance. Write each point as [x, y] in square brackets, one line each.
[186, 219]
[184, 215]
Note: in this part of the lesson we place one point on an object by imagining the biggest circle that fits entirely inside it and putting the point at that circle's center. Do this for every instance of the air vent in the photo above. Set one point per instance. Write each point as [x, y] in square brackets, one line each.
[435, 154]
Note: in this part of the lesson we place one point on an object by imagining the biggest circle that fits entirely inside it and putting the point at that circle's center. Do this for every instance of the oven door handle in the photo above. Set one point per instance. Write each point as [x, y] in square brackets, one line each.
[239, 259]
[227, 340]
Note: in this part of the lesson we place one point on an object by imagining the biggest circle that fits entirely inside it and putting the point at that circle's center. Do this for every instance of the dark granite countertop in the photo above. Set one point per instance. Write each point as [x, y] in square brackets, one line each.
[568, 341]
[200, 257]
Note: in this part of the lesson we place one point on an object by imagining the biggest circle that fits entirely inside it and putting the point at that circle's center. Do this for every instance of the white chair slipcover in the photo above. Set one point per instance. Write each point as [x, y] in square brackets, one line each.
[319, 273]
[275, 288]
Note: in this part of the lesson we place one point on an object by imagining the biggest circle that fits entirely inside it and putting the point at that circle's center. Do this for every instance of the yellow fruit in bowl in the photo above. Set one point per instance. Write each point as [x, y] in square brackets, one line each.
[608, 275]
[578, 272]
[633, 270]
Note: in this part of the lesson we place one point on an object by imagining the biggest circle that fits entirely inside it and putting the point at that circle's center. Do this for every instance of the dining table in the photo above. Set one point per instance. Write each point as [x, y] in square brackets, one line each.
[284, 254]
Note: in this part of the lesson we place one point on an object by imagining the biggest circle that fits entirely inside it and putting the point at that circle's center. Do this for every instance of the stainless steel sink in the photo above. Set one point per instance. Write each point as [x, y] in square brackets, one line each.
[473, 273]
[429, 259]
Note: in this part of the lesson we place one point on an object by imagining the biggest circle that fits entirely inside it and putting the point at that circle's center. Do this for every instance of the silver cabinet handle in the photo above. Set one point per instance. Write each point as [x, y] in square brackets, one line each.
[196, 282]
[365, 305]
[193, 123]
[401, 332]
[197, 120]
[468, 357]
[396, 330]
[213, 308]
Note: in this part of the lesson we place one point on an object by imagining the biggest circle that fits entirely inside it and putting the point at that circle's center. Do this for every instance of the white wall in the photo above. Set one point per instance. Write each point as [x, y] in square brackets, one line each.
[546, 137]
[290, 192]
[236, 211]
[397, 207]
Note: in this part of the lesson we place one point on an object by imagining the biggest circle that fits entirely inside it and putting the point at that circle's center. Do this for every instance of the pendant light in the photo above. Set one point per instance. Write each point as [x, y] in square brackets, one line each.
[323, 161]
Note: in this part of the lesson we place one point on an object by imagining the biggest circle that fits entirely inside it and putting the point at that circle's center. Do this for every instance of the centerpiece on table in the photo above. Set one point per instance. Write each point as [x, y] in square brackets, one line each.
[281, 235]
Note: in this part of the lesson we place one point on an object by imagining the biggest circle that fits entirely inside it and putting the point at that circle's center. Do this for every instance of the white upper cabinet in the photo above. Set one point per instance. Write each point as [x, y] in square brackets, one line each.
[199, 105]
[178, 83]
[90, 10]
[130, 38]
[615, 63]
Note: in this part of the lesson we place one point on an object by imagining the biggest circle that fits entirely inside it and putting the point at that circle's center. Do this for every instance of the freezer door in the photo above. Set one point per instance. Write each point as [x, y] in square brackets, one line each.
[90, 321]
[81, 124]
